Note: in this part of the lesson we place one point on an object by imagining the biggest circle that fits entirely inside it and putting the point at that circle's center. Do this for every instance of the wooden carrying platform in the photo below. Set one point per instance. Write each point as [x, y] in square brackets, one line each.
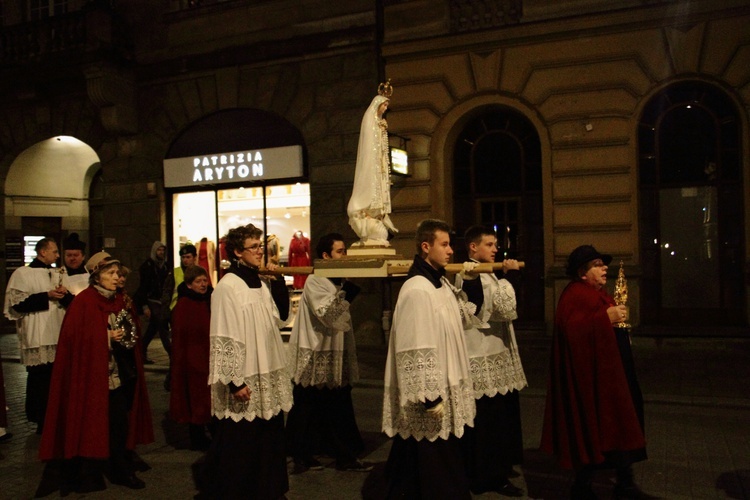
[371, 267]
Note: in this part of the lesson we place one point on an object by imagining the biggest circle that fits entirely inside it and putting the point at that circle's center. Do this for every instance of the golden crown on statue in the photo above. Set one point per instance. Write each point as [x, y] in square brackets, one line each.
[385, 89]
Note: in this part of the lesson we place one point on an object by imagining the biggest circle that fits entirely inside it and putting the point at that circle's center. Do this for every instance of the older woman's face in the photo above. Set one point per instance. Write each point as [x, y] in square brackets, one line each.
[109, 278]
[596, 275]
[199, 285]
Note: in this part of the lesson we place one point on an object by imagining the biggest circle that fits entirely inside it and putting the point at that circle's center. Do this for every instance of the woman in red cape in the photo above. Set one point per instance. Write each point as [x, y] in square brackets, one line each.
[594, 412]
[190, 394]
[98, 405]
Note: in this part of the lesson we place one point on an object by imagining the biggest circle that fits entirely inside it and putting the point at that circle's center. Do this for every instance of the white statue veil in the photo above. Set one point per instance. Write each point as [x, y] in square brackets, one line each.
[370, 202]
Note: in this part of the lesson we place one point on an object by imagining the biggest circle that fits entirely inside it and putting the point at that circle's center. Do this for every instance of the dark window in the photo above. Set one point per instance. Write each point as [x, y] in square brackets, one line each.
[497, 182]
[41, 9]
[690, 216]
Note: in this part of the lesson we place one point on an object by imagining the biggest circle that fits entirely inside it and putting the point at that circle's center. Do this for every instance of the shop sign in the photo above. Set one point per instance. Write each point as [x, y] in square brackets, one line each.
[239, 166]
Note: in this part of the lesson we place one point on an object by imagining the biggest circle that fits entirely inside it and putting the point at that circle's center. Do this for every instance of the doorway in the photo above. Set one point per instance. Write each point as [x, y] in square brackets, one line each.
[497, 182]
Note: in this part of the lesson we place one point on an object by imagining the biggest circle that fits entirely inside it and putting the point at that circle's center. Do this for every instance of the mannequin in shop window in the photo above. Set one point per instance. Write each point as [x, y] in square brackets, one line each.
[370, 204]
[223, 259]
[207, 258]
[299, 255]
[273, 250]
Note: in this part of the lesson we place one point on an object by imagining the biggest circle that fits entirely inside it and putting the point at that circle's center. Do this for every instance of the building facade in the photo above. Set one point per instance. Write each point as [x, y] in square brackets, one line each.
[623, 124]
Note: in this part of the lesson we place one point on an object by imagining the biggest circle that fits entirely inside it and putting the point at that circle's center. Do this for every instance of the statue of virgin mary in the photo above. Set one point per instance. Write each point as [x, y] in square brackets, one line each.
[370, 203]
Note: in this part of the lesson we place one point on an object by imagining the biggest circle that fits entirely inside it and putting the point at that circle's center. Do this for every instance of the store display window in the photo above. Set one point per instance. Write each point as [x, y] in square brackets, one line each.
[202, 218]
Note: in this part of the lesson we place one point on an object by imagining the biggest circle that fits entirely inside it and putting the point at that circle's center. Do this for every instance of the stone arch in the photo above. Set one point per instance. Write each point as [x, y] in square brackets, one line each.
[442, 150]
[51, 179]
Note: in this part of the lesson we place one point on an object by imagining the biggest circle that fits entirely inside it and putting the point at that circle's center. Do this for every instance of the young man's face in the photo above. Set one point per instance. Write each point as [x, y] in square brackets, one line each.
[485, 250]
[187, 260]
[252, 253]
[50, 254]
[337, 251]
[73, 258]
[439, 253]
[161, 252]
[199, 285]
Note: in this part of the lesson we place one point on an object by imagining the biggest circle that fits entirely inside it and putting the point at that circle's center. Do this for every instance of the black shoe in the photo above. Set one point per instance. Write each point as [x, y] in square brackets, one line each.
[136, 462]
[306, 464]
[130, 481]
[91, 484]
[200, 444]
[581, 491]
[5, 437]
[509, 490]
[355, 466]
[631, 492]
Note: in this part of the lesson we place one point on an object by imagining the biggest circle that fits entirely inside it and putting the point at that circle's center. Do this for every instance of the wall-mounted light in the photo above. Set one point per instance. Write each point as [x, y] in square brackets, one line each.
[399, 156]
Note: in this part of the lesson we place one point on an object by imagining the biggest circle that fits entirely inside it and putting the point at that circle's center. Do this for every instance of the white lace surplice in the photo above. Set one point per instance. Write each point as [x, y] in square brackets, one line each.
[321, 347]
[246, 348]
[427, 359]
[37, 331]
[493, 352]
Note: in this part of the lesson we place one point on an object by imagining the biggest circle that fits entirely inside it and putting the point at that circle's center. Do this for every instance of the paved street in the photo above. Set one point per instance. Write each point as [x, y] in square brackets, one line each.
[697, 417]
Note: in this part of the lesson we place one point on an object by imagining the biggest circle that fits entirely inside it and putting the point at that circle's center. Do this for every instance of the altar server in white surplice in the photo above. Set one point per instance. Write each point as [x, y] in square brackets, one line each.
[428, 398]
[495, 443]
[323, 364]
[36, 299]
[250, 383]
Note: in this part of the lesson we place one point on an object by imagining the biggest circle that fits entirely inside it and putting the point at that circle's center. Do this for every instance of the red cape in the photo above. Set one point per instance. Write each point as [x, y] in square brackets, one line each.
[190, 394]
[589, 408]
[77, 420]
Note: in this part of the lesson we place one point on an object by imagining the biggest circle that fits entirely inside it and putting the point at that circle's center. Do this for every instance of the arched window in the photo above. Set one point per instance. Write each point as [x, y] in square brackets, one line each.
[691, 208]
[498, 183]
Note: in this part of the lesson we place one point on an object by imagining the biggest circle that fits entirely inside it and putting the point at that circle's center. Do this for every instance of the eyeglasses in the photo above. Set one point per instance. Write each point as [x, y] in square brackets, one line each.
[255, 247]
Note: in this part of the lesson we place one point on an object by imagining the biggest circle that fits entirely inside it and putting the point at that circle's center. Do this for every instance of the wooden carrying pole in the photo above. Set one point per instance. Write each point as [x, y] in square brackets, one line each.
[395, 269]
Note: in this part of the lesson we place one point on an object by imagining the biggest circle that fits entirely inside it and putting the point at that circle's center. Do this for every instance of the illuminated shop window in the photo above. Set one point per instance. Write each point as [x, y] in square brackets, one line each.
[280, 211]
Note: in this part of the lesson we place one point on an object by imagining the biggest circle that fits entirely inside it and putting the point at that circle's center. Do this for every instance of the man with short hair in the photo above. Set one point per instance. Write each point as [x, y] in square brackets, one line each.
[323, 364]
[188, 254]
[153, 272]
[428, 397]
[76, 276]
[250, 383]
[33, 300]
[74, 251]
[495, 443]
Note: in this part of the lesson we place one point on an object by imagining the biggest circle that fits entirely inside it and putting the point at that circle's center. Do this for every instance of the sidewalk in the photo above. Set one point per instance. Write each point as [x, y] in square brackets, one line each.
[697, 413]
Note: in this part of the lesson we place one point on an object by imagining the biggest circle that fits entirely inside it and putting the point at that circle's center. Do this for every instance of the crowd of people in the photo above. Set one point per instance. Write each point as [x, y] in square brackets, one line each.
[452, 377]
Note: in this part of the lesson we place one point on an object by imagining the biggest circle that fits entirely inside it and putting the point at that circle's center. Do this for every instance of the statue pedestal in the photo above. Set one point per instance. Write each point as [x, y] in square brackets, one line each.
[370, 251]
